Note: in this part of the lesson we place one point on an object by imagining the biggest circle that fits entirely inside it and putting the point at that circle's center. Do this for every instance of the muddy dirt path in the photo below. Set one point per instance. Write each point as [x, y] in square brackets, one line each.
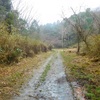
[54, 87]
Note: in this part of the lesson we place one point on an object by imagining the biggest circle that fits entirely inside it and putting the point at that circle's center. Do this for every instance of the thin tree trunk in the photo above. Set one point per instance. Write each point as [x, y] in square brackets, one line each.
[78, 44]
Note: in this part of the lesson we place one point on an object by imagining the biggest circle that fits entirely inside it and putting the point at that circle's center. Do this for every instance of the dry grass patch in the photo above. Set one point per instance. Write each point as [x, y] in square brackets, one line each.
[13, 76]
[86, 72]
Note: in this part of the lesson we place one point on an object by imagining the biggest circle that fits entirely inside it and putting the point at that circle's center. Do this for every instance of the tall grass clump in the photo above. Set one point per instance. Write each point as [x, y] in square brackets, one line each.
[94, 46]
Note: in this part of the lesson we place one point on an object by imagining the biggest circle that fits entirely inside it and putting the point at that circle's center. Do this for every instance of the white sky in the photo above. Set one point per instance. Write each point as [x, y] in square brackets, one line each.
[49, 11]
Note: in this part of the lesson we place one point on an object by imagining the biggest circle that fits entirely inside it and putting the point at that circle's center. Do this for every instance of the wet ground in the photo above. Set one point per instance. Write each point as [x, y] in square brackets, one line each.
[54, 87]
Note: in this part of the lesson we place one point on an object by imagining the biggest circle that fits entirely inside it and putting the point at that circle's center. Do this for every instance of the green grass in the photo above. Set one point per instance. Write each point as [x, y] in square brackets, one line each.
[44, 74]
[67, 60]
[87, 73]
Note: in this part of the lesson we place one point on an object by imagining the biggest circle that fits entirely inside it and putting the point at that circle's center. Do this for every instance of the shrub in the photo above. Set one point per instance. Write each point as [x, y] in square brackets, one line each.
[94, 45]
[13, 47]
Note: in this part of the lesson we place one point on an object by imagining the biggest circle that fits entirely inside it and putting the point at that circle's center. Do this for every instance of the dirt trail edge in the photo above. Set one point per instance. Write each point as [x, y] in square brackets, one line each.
[54, 85]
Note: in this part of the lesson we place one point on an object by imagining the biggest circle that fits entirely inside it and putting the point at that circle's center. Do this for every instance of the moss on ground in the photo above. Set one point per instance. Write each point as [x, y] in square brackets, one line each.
[44, 74]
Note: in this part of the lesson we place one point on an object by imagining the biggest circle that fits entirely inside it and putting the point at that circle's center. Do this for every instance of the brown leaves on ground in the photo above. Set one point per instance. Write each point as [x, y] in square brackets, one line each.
[86, 67]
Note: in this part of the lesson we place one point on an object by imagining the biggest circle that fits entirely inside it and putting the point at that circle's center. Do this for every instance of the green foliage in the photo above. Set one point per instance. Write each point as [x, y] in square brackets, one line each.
[44, 74]
[6, 4]
[10, 18]
[93, 92]
[5, 7]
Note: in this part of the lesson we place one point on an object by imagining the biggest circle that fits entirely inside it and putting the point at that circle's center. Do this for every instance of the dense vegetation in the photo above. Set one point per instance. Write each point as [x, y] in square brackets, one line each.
[17, 38]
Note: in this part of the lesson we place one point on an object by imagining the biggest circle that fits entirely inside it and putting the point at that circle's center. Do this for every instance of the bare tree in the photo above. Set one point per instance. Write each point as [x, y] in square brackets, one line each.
[78, 26]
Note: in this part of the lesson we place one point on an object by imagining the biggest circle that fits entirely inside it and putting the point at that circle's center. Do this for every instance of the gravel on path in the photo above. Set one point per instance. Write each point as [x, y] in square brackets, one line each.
[54, 87]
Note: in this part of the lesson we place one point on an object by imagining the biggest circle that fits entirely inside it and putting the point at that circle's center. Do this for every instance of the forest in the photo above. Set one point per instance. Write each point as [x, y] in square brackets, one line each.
[25, 42]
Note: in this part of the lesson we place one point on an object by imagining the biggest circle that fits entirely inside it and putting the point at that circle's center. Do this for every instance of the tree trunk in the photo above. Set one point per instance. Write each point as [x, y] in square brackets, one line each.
[78, 44]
